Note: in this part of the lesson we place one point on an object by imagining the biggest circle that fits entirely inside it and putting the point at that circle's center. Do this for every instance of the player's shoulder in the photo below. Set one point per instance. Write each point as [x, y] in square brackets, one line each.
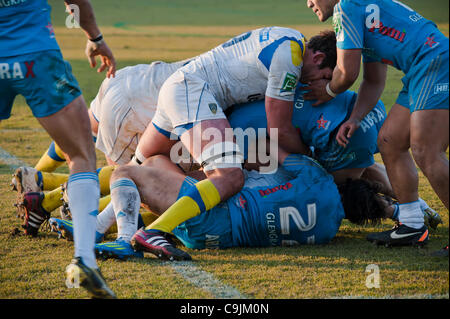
[350, 6]
[282, 32]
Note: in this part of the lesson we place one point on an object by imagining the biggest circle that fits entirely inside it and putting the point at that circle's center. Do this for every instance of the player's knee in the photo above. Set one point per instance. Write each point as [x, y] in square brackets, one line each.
[231, 180]
[424, 156]
[124, 171]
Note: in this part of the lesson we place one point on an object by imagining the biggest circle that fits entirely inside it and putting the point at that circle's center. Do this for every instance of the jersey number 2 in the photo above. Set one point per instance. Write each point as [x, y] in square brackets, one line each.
[287, 212]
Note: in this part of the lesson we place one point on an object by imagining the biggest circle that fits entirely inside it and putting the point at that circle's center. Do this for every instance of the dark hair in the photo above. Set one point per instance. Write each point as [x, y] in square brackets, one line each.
[362, 201]
[325, 42]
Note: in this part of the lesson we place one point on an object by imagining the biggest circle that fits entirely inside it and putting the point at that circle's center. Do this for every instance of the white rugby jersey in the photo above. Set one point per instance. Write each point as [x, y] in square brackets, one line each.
[265, 61]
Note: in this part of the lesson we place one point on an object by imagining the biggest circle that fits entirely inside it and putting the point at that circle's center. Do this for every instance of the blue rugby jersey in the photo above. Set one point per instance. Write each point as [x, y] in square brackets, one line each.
[306, 209]
[387, 31]
[25, 27]
[318, 126]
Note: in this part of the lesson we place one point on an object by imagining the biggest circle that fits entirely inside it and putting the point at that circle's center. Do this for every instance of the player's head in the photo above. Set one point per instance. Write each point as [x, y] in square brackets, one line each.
[322, 8]
[362, 201]
[320, 57]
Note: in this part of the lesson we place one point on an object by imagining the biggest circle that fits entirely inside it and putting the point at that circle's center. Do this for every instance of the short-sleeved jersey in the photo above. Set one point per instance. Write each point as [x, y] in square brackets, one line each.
[265, 61]
[305, 208]
[387, 31]
[318, 126]
[25, 27]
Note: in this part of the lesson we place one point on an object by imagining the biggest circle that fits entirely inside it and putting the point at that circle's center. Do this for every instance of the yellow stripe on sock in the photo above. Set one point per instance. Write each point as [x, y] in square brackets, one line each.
[51, 181]
[209, 193]
[104, 175]
[183, 209]
[103, 202]
[52, 200]
[47, 164]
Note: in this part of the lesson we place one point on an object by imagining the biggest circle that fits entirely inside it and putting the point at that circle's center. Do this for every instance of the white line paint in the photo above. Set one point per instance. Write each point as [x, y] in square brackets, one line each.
[10, 160]
[205, 280]
[188, 270]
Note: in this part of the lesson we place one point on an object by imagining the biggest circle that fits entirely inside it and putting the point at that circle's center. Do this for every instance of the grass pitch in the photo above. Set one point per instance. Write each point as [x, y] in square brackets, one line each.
[141, 32]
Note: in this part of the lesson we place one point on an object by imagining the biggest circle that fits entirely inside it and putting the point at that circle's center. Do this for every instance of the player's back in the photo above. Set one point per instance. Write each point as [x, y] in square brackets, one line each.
[25, 27]
[388, 31]
[303, 207]
[237, 71]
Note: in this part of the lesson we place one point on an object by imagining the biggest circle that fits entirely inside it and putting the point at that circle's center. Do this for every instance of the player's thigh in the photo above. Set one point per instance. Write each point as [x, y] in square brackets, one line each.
[429, 131]
[70, 129]
[395, 132]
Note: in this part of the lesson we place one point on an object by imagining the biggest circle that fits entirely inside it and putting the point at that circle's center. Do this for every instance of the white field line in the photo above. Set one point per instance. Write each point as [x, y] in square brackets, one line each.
[188, 270]
[205, 280]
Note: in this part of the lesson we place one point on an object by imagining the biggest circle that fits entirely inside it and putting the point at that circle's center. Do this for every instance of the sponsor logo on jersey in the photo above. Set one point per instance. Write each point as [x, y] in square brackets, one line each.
[337, 25]
[431, 43]
[275, 189]
[375, 116]
[213, 107]
[14, 70]
[272, 229]
[322, 123]
[289, 83]
[441, 88]
[388, 31]
[9, 3]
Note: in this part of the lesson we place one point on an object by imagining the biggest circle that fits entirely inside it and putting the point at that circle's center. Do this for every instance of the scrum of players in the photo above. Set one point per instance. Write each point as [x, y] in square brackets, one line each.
[256, 143]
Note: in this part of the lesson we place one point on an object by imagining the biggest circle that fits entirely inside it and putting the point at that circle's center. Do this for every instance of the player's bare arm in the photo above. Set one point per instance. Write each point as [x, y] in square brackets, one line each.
[279, 118]
[370, 90]
[344, 75]
[95, 46]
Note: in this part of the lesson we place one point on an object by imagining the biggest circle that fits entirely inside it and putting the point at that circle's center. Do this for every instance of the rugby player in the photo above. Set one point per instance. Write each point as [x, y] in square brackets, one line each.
[31, 64]
[298, 204]
[263, 62]
[391, 33]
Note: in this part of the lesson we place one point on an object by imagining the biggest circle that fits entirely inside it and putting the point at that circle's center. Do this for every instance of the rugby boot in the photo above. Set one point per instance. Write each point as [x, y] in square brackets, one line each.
[155, 242]
[119, 249]
[24, 180]
[78, 274]
[30, 207]
[400, 235]
[431, 218]
[64, 229]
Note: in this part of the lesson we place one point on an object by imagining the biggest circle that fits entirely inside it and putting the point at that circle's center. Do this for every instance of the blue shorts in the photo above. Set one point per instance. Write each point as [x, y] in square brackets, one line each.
[43, 78]
[426, 84]
[211, 229]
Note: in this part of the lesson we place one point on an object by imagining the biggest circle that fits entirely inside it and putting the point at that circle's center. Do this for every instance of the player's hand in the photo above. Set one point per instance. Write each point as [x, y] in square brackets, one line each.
[346, 131]
[317, 92]
[108, 62]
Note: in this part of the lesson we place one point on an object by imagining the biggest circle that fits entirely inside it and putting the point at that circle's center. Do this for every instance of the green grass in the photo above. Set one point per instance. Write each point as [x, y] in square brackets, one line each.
[34, 267]
[217, 12]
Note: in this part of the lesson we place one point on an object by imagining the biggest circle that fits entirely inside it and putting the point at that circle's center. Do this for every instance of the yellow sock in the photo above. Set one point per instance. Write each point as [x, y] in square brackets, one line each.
[50, 181]
[104, 175]
[103, 202]
[52, 200]
[198, 198]
[51, 160]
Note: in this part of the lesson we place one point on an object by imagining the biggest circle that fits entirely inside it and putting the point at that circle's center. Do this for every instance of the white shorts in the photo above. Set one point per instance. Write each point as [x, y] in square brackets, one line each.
[125, 105]
[185, 99]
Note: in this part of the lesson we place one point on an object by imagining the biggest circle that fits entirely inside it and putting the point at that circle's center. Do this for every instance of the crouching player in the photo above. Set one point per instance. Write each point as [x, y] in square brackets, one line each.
[299, 204]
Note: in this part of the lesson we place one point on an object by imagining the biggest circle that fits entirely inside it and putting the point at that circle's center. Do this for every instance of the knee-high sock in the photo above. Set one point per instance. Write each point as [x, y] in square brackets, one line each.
[51, 181]
[106, 219]
[126, 202]
[51, 159]
[83, 191]
[199, 198]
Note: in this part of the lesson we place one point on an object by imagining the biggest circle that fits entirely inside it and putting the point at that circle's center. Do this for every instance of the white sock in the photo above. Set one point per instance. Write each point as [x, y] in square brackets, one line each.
[126, 202]
[423, 205]
[83, 191]
[106, 219]
[411, 215]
